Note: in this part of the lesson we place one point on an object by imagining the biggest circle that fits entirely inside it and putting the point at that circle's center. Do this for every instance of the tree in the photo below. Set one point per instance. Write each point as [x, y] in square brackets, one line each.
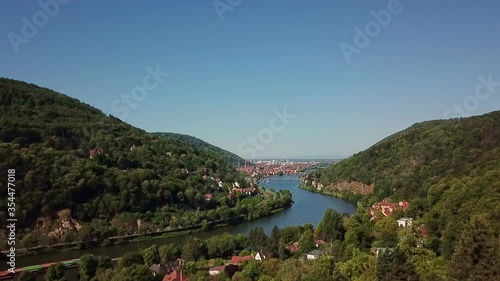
[387, 232]
[306, 242]
[129, 259]
[192, 249]
[135, 273]
[221, 245]
[331, 226]
[291, 270]
[252, 270]
[29, 241]
[151, 255]
[356, 266]
[393, 265]
[27, 276]
[103, 263]
[55, 272]
[169, 252]
[88, 267]
[257, 238]
[477, 256]
[274, 241]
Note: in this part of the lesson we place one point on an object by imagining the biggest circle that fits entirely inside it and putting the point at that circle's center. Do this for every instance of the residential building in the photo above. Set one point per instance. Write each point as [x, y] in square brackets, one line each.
[176, 276]
[238, 259]
[216, 270]
[405, 222]
[314, 254]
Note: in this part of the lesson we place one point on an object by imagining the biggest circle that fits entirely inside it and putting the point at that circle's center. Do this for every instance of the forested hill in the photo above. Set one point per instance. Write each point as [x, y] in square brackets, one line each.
[449, 171]
[70, 156]
[190, 140]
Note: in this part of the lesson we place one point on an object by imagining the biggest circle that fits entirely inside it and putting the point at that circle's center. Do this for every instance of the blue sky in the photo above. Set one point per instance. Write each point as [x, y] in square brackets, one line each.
[226, 77]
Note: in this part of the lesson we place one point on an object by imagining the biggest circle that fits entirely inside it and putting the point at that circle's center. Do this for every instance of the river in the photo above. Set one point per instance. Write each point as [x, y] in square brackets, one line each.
[309, 207]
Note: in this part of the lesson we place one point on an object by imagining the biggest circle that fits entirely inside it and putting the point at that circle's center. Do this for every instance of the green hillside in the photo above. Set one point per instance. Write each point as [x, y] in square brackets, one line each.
[77, 167]
[449, 170]
[193, 141]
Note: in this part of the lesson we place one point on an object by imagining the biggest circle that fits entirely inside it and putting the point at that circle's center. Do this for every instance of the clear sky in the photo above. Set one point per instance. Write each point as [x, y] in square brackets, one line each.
[230, 67]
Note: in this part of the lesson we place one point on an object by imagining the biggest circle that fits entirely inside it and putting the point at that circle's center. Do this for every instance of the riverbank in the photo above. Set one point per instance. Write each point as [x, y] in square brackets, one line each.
[308, 207]
[348, 196]
[265, 205]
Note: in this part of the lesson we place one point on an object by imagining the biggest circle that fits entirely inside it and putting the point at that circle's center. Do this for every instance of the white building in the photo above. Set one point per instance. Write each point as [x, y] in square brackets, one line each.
[314, 254]
[405, 222]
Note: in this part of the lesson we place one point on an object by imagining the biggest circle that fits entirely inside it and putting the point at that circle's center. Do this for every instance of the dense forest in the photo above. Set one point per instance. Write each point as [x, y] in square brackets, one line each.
[449, 171]
[193, 141]
[82, 175]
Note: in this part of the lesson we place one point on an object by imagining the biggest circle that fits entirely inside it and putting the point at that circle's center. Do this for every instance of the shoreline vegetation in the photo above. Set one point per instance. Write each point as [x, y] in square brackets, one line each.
[346, 196]
[284, 202]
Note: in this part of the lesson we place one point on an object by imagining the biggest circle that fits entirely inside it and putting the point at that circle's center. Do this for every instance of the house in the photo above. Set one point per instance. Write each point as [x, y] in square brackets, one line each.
[216, 270]
[94, 152]
[208, 197]
[314, 254]
[176, 276]
[319, 242]
[238, 259]
[405, 222]
[387, 208]
[423, 231]
[294, 247]
[260, 256]
[157, 269]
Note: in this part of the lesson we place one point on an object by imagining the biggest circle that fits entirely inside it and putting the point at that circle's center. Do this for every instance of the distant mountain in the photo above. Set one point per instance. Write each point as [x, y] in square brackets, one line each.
[449, 170]
[190, 140]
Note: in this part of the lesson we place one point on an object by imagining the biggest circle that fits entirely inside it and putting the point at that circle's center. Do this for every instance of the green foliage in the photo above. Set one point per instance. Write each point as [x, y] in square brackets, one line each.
[393, 265]
[221, 245]
[387, 232]
[169, 252]
[331, 226]
[449, 171]
[477, 256]
[257, 239]
[88, 267]
[151, 255]
[252, 270]
[27, 276]
[192, 141]
[55, 272]
[130, 259]
[357, 266]
[108, 174]
[192, 249]
[274, 242]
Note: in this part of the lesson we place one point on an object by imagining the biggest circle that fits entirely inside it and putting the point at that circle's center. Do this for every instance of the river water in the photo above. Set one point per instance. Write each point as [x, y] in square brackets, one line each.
[308, 208]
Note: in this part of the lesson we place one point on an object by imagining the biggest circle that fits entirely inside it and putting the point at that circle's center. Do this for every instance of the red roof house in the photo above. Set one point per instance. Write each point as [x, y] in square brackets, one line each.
[237, 259]
[176, 276]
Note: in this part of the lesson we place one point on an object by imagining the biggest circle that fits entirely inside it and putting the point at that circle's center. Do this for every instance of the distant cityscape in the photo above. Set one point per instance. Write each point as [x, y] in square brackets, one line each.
[265, 167]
